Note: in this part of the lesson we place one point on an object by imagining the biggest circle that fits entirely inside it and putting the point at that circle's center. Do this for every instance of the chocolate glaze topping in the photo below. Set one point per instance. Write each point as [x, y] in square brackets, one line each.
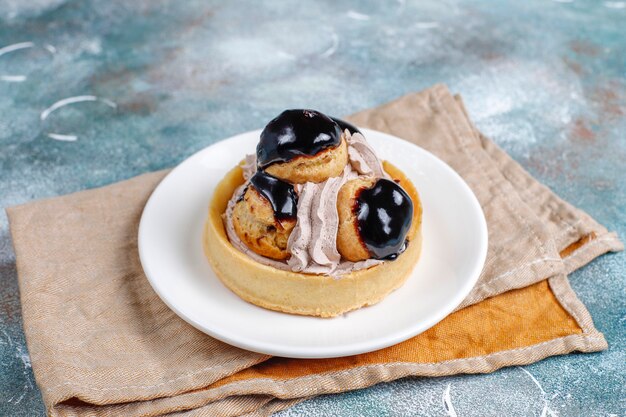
[343, 125]
[384, 214]
[280, 194]
[296, 133]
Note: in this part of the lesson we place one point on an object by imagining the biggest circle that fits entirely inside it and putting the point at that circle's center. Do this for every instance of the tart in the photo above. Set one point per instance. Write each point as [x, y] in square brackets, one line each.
[313, 224]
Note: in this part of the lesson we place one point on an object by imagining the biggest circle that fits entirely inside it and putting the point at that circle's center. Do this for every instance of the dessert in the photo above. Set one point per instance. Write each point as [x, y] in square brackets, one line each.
[374, 219]
[302, 145]
[265, 215]
[314, 223]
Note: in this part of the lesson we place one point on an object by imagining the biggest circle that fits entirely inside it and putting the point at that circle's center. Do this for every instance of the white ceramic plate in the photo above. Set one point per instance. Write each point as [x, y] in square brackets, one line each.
[453, 254]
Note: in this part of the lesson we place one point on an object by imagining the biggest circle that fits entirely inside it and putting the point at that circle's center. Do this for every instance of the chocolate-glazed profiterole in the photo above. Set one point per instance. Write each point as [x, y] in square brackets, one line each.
[374, 218]
[264, 215]
[280, 194]
[302, 146]
[296, 133]
[384, 214]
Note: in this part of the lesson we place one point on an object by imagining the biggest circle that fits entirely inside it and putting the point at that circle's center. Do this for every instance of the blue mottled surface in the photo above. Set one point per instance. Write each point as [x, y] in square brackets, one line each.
[545, 79]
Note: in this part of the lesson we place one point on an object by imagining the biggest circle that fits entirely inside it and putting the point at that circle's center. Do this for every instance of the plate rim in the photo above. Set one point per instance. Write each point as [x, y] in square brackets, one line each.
[318, 352]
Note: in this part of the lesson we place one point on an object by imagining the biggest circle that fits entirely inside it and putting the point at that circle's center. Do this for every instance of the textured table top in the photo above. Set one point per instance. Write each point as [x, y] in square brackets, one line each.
[160, 80]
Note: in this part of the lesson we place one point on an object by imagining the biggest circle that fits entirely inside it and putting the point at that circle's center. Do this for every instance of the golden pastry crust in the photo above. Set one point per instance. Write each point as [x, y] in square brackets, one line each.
[298, 293]
[256, 226]
[328, 163]
[349, 241]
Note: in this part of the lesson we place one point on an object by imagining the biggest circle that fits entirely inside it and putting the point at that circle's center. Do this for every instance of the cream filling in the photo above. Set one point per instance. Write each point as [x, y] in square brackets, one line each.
[362, 156]
[313, 241]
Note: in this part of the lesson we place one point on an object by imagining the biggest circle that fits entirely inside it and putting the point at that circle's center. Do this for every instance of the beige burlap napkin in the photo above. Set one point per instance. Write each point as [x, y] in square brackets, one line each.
[102, 343]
